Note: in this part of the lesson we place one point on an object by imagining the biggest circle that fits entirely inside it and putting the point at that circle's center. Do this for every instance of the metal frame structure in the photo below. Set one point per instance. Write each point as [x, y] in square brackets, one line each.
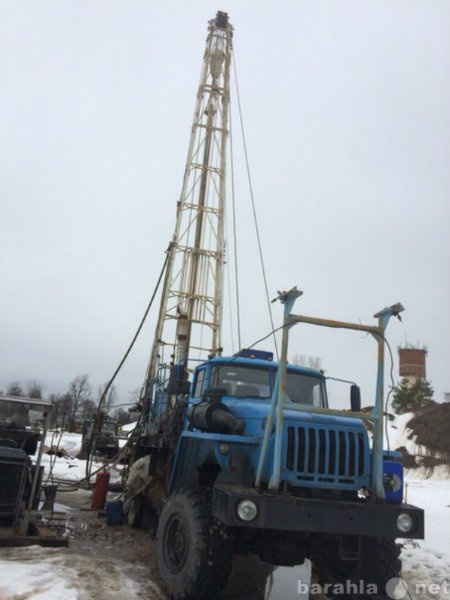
[278, 397]
[46, 408]
[190, 313]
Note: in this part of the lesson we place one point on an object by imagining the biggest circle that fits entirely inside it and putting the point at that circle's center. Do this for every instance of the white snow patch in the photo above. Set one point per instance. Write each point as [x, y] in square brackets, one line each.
[427, 562]
[129, 427]
[70, 442]
[69, 468]
[399, 435]
[33, 573]
[37, 573]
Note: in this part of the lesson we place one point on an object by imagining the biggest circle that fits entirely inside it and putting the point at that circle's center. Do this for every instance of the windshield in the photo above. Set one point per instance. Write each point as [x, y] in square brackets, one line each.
[242, 381]
[256, 382]
[109, 427]
[304, 389]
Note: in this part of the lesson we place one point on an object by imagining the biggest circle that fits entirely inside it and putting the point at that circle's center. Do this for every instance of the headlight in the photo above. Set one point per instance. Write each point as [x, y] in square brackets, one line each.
[247, 510]
[392, 482]
[224, 448]
[404, 522]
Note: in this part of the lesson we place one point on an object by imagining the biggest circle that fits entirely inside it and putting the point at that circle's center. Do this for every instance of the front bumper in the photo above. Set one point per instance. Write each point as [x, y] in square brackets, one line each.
[288, 513]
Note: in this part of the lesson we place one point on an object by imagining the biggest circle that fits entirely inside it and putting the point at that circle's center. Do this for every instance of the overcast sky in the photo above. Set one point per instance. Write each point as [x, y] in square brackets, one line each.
[346, 110]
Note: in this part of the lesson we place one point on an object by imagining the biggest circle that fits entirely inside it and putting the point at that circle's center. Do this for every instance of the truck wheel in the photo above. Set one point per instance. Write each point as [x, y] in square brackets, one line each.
[378, 564]
[194, 555]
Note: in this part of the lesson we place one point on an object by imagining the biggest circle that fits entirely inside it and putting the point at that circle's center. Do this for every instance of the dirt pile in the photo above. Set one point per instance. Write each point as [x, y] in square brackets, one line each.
[430, 429]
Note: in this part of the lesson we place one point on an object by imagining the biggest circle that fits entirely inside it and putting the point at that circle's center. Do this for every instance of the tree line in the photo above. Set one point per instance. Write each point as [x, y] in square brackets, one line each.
[78, 403]
[75, 406]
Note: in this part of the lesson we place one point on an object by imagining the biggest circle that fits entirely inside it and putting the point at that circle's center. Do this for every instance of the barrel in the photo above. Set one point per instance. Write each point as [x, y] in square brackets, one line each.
[114, 512]
[100, 490]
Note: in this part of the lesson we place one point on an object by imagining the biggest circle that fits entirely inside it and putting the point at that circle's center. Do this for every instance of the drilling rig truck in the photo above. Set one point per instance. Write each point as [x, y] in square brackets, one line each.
[243, 454]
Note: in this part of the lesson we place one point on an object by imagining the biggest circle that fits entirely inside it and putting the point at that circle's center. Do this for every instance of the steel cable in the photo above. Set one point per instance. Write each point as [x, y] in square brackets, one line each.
[258, 236]
[98, 417]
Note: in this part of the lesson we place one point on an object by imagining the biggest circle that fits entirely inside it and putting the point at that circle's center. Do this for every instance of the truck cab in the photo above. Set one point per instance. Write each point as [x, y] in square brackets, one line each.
[106, 442]
[319, 451]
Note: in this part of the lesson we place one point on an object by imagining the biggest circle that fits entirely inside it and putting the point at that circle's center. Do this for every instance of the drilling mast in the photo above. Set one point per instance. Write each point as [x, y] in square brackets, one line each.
[190, 314]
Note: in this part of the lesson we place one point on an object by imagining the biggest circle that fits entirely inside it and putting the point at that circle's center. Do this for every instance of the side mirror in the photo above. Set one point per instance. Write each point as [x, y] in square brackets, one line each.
[355, 398]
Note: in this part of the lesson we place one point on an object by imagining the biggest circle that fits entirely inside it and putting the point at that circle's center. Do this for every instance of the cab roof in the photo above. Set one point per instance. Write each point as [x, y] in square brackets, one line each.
[262, 364]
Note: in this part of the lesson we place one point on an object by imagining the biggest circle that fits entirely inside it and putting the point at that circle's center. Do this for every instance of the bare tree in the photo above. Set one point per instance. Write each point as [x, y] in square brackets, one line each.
[53, 398]
[14, 389]
[79, 390]
[111, 397]
[313, 362]
[62, 411]
[88, 409]
[35, 389]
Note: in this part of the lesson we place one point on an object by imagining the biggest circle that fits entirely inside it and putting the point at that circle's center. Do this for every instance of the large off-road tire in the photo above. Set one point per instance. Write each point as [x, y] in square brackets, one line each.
[194, 553]
[378, 564]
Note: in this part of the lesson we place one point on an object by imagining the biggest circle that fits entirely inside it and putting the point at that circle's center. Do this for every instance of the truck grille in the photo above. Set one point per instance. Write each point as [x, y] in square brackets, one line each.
[324, 456]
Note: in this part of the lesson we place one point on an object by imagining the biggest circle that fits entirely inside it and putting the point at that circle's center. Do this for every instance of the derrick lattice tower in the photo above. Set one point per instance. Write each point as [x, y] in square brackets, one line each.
[190, 313]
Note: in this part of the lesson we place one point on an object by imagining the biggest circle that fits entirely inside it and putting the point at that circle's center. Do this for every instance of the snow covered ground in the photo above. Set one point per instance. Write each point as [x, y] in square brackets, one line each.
[69, 468]
[51, 574]
[427, 562]
[109, 567]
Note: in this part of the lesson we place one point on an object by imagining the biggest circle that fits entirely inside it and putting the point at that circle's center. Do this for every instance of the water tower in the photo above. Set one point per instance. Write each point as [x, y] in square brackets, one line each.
[412, 362]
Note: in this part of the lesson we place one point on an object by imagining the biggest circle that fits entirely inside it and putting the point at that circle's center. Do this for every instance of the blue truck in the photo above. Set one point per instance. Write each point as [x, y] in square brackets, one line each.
[250, 458]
